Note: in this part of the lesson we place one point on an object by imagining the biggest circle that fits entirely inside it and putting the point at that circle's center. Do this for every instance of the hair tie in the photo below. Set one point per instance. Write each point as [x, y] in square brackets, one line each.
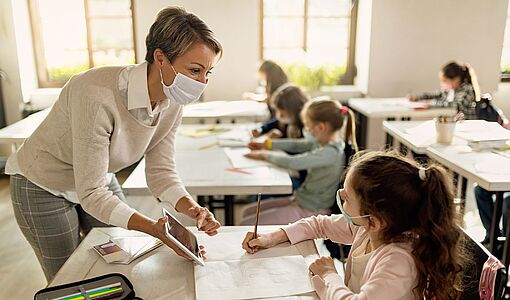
[421, 173]
[344, 110]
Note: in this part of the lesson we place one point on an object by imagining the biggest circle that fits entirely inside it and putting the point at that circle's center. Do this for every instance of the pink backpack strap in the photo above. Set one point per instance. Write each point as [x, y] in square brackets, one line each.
[488, 277]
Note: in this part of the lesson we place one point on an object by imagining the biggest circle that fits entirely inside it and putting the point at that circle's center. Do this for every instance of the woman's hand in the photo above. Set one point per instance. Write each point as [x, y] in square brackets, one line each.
[256, 146]
[259, 154]
[205, 219]
[323, 266]
[263, 240]
[159, 231]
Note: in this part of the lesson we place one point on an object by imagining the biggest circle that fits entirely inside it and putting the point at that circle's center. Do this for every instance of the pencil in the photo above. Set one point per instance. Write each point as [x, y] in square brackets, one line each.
[257, 217]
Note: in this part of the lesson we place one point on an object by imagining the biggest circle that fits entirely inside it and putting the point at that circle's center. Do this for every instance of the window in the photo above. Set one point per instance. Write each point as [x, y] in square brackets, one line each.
[505, 55]
[312, 39]
[90, 33]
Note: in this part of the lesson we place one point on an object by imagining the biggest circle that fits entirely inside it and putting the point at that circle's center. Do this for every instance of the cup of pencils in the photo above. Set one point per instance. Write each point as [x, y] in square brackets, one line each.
[445, 129]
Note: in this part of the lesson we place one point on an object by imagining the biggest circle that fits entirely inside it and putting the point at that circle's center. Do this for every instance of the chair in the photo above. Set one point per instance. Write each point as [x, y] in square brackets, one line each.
[340, 251]
[471, 280]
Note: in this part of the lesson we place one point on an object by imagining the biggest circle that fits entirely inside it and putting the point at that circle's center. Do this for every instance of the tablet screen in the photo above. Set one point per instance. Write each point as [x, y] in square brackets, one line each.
[183, 235]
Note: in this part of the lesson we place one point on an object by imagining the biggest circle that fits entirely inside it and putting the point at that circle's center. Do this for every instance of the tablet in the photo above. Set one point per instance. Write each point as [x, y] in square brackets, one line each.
[183, 238]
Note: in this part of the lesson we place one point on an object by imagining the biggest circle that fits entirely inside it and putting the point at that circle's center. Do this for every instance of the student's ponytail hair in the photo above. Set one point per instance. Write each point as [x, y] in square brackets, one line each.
[335, 114]
[416, 206]
[465, 73]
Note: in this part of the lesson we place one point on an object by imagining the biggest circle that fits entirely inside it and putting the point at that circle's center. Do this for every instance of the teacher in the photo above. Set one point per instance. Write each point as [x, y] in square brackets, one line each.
[105, 119]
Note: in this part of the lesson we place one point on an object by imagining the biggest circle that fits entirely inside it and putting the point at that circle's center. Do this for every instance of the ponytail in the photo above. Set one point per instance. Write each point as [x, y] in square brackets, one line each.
[416, 205]
[436, 248]
[473, 80]
[350, 129]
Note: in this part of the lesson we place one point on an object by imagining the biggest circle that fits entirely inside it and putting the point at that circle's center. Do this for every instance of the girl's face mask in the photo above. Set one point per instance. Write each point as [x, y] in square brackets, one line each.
[347, 217]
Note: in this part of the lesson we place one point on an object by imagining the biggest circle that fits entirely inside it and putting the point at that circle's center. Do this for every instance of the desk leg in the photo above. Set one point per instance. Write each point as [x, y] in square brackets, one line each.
[403, 149]
[496, 215]
[463, 189]
[201, 200]
[506, 257]
[229, 210]
[389, 138]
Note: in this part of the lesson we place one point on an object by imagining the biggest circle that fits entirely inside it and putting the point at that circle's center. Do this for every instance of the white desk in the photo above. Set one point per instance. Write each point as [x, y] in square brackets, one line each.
[16, 133]
[459, 158]
[371, 112]
[161, 274]
[236, 111]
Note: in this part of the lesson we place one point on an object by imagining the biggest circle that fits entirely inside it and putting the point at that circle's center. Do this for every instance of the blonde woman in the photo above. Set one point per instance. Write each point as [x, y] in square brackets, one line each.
[106, 119]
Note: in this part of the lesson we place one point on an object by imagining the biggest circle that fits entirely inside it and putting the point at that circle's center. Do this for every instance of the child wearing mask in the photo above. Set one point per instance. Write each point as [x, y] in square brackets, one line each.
[459, 88]
[321, 153]
[401, 221]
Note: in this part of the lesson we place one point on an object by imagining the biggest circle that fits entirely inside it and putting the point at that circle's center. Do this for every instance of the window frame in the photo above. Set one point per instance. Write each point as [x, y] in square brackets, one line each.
[350, 72]
[38, 44]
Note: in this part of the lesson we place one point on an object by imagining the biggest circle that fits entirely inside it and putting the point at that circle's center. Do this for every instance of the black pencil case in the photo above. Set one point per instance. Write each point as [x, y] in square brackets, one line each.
[59, 291]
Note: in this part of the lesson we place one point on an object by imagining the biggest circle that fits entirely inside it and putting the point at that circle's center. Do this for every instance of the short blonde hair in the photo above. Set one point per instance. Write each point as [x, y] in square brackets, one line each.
[174, 32]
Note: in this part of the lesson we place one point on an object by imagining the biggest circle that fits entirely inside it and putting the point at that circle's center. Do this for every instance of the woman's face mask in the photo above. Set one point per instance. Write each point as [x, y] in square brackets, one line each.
[183, 90]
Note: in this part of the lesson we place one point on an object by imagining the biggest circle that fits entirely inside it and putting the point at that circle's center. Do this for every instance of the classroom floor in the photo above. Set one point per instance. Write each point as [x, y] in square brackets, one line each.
[21, 275]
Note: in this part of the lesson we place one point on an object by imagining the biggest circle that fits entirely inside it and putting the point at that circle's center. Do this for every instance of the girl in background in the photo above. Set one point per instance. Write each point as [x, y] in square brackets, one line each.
[459, 87]
[320, 153]
[276, 80]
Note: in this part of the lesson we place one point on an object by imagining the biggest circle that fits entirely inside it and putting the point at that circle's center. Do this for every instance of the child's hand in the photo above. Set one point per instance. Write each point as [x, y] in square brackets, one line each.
[412, 98]
[256, 146]
[275, 134]
[259, 155]
[323, 266]
[263, 240]
[256, 132]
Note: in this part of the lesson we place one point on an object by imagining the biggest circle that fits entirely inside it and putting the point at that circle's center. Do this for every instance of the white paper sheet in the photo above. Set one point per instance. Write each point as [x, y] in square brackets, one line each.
[237, 159]
[253, 278]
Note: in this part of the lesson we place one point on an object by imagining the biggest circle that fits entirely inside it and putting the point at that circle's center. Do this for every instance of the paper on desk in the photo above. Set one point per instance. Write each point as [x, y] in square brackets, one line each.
[253, 278]
[216, 250]
[495, 165]
[237, 159]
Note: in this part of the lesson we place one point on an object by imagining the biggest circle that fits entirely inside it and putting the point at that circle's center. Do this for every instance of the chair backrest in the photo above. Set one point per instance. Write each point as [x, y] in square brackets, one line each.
[478, 256]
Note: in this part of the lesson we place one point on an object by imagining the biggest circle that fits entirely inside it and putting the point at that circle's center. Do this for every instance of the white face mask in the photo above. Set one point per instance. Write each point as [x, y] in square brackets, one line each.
[309, 137]
[183, 90]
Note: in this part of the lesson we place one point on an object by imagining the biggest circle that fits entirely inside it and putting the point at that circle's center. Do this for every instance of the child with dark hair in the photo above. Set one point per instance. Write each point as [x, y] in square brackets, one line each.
[459, 88]
[401, 221]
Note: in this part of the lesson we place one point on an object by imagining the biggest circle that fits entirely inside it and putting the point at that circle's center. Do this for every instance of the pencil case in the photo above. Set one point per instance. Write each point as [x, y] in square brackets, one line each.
[109, 286]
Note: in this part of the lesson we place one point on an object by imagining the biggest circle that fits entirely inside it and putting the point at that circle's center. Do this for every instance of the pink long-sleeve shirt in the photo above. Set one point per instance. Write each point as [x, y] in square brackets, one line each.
[390, 272]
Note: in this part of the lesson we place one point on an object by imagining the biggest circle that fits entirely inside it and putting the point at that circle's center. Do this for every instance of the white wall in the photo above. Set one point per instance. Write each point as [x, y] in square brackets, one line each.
[411, 39]
[11, 86]
[235, 24]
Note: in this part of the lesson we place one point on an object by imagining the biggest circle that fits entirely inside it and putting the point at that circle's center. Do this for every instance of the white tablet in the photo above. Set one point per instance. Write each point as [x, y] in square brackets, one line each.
[183, 238]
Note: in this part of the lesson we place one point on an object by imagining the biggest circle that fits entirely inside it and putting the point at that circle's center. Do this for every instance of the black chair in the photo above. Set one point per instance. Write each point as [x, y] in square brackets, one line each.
[340, 251]
[478, 256]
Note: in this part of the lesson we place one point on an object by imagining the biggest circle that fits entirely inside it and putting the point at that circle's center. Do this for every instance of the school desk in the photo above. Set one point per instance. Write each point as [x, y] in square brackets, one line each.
[371, 112]
[161, 274]
[235, 111]
[459, 158]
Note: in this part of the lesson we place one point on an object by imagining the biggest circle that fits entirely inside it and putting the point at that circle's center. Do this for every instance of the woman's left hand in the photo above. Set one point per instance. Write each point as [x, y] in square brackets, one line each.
[258, 154]
[323, 266]
[205, 220]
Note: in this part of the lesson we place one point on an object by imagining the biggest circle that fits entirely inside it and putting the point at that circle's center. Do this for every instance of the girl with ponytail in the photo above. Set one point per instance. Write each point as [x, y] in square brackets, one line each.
[401, 221]
[320, 153]
[459, 87]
